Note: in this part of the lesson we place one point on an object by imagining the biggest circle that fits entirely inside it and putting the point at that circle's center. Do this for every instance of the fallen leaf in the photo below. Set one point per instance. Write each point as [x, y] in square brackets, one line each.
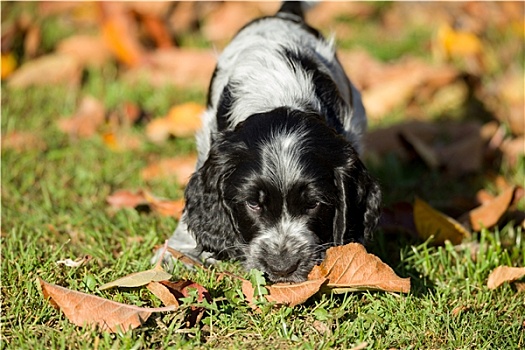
[350, 268]
[430, 222]
[121, 140]
[457, 43]
[165, 207]
[163, 293]
[89, 310]
[183, 258]
[489, 213]
[22, 141]
[427, 154]
[283, 293]
[89, 116]
[157, 30]
[120, 34]
[182, 121]
[222, 24]
[184, 287]
[52, 69]
[127, 199]
[88, 50]
[181, 168]
[8, 65]
[502, 274]
[138, 279]
[189, 68]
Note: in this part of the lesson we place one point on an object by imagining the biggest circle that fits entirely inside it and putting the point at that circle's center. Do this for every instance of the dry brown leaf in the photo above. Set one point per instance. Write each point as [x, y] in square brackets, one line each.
[163, 293]
[89, 310]
[181, 168]
[88, 50]
[184, 68]
[182, 289]
[502, 274]
[351, 268]
[165, 207]
[52, 69]
[127, 199]
[426, 152]
[222, 24]
[463, 155]
[285, 293]
[89, 116]
[183, 258]
[23, 141]
[182, 121]
[430, 222]
[489, 213]
[138, 279]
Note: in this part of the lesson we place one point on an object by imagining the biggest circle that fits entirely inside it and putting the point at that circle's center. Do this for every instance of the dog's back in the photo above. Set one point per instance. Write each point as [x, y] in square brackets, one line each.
[281, 61]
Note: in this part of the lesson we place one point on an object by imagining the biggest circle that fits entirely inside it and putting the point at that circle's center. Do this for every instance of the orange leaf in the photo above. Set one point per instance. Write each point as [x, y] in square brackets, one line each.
[88, 310]
[8, 65]
[430, 222]
[179, 167]
[182, 121]
[458, 43]
[502, 274]
[284, 293]
[120, 36]
[351, 268]
[489, 213]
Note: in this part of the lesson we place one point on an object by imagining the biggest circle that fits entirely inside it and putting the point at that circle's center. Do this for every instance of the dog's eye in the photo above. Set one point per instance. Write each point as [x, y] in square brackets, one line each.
[312, 206]
[253, 206]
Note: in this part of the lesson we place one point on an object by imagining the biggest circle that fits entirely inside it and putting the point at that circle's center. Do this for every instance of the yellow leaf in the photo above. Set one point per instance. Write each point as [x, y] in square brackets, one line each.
[8, 65]
[455, 43]
[430, 222]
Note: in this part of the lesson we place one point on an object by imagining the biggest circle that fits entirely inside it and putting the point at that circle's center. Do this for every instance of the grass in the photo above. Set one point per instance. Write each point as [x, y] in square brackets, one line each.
[53, 207]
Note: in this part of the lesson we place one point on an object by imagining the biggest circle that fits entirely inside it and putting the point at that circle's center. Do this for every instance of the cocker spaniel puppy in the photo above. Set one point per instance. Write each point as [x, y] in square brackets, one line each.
[278, 179]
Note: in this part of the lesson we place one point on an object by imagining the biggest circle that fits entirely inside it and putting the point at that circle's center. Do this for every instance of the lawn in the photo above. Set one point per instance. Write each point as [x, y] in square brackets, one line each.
[55, 185]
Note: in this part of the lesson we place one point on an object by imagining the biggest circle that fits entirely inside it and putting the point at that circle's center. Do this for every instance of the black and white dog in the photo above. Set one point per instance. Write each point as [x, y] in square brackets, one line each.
[278, 178]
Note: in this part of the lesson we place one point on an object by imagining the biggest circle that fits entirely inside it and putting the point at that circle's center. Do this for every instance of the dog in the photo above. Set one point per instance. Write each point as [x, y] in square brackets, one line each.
[278, 178]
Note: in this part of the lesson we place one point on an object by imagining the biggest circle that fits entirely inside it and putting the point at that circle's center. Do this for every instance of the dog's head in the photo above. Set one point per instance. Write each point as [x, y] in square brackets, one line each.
[278, 190]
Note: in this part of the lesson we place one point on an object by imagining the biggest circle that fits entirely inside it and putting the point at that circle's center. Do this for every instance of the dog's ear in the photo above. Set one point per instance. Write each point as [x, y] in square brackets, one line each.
[358, 209]
[208, 217]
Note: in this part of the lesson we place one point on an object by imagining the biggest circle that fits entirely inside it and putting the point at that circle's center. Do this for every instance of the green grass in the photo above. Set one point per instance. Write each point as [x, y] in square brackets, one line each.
[53, 207]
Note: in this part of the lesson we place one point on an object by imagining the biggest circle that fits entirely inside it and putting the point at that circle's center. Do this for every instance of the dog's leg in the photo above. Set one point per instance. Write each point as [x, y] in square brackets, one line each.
[184, 242]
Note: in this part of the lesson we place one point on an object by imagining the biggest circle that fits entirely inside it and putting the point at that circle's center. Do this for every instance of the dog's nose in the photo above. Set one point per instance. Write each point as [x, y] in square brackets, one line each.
[283, 270]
